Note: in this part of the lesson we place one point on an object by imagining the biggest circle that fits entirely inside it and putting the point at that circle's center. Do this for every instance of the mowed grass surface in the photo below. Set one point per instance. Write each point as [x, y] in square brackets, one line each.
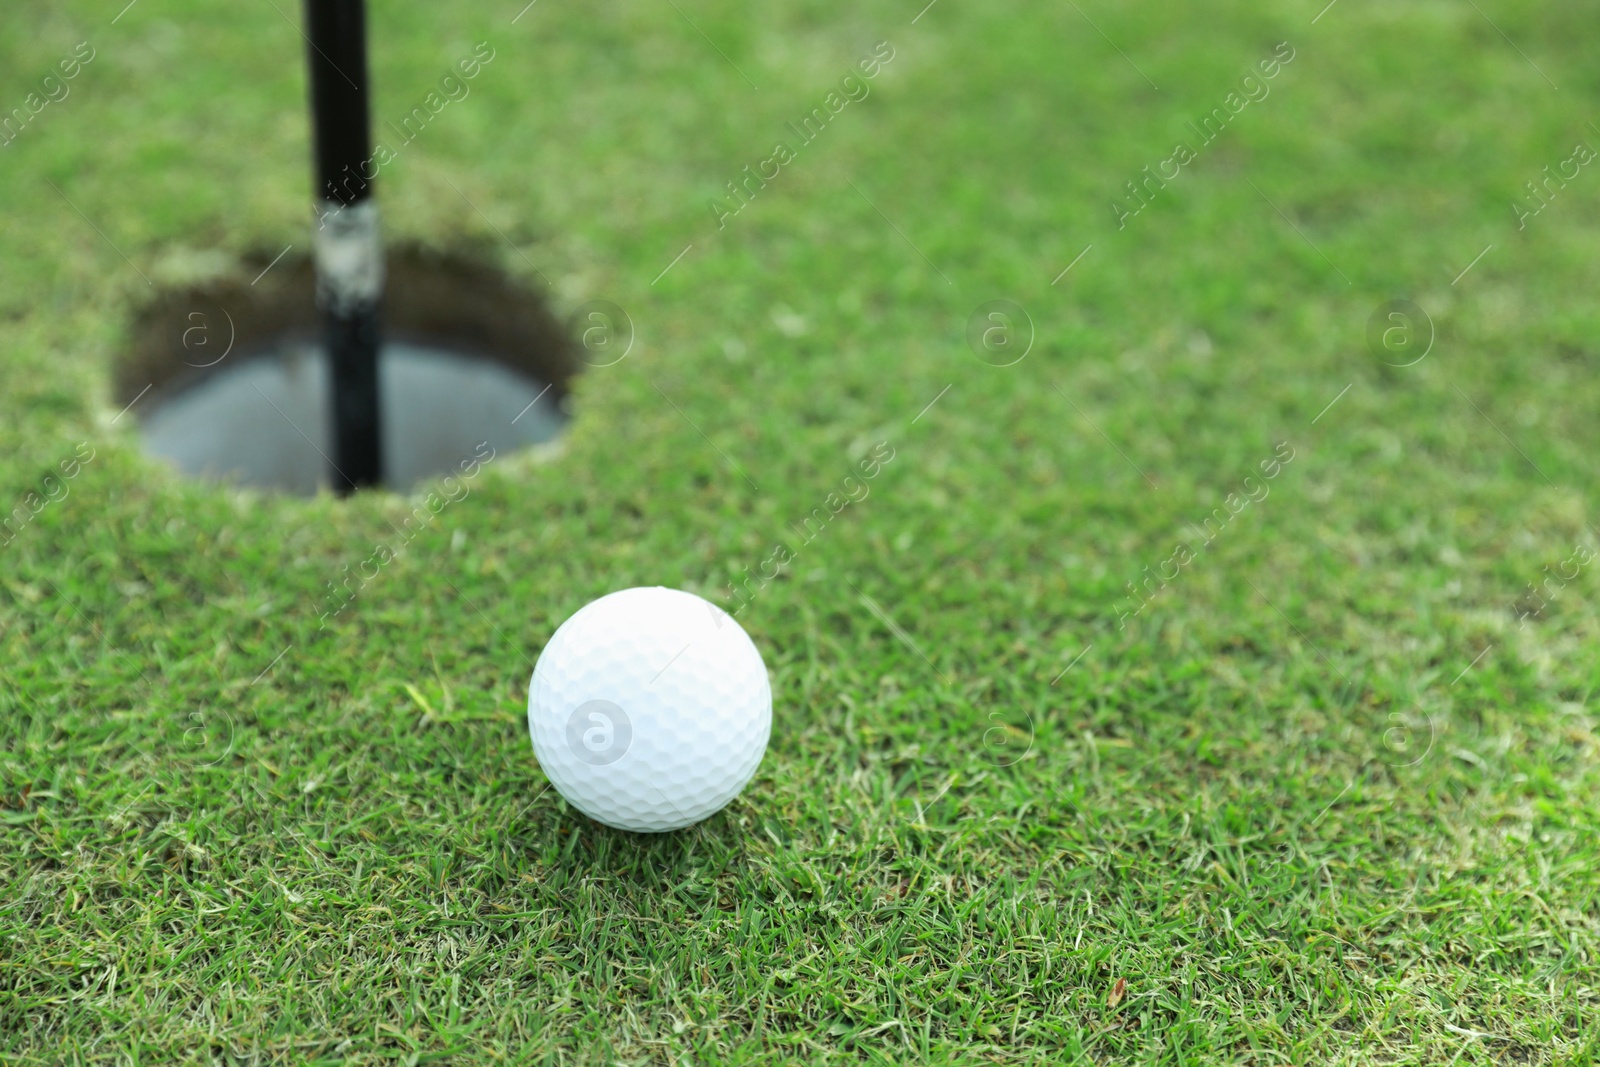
[1325, 799]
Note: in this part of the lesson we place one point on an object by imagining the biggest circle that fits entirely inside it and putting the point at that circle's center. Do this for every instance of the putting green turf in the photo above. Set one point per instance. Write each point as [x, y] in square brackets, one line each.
[1325, 798]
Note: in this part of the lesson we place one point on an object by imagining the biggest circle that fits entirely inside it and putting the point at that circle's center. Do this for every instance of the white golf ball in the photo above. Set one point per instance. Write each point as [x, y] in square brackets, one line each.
[649, 709]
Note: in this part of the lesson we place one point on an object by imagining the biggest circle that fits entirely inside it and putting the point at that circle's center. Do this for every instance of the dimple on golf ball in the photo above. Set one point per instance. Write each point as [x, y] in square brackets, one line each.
[650, 709]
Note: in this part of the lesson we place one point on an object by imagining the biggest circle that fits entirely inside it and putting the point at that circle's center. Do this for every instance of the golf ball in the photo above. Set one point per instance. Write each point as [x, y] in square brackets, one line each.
[649, 709]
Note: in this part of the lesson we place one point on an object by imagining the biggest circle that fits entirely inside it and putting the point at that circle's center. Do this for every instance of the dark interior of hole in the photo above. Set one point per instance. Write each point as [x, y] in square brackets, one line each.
[445, 298]
[444, 301]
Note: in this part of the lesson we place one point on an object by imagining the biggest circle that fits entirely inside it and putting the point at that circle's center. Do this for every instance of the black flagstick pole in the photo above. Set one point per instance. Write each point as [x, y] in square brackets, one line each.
[349, 254]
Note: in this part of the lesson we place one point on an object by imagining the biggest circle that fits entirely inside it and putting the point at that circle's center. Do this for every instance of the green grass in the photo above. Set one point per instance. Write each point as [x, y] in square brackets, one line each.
[1323, 800]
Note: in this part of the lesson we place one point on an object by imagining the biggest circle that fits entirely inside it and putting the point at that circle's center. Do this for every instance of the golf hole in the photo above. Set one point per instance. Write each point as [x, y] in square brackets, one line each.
[230, 379]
